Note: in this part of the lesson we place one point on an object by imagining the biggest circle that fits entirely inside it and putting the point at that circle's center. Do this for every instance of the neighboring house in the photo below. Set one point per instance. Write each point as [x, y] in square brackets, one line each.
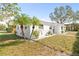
[46, 28]
[72, 27]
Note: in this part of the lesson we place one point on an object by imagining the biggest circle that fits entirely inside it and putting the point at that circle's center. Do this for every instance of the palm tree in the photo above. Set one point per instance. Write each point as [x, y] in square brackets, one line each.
[35, 22]
[22, 20]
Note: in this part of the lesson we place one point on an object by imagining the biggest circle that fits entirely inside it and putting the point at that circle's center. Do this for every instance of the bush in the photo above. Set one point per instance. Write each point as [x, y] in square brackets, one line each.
[2, 27]
[35, 34]
[49, 33]
[75, 50]
[9, 29]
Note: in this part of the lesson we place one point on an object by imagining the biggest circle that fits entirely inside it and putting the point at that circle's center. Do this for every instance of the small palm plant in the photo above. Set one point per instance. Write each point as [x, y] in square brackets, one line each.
[35, 33]
[35, 22]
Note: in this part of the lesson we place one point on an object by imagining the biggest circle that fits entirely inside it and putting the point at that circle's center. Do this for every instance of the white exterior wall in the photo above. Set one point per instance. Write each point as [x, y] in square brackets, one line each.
[18, 31]
[59, 28]
[42, 32]
[27, 32]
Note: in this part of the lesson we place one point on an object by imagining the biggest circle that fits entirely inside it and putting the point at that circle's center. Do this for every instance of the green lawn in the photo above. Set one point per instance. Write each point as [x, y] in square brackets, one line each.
[48, 46]
[8, 36]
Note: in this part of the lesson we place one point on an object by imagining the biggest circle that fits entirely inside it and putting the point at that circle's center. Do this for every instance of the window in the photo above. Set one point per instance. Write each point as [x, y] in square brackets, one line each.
[25, 27]
[50, 27]
[62, 28]
[53, 30]
[41, 26]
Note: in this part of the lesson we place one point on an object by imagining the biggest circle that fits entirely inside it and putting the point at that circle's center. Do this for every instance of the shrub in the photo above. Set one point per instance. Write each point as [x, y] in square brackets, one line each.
[75, 49]
[9, 29]
[49, 33]
[2, 27]
[35, 33]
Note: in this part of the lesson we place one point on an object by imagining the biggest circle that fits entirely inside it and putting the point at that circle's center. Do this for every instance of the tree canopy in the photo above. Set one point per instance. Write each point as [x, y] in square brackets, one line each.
[35, 21]
[22, 20]
[62, 14]
[8, 10]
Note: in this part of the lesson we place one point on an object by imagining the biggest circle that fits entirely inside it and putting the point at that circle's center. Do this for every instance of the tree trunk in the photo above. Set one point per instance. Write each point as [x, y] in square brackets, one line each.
[22, 30]
[14, 30]
[32, 31]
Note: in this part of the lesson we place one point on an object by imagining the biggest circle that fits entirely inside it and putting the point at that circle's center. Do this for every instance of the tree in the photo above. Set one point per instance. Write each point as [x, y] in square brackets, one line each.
[58, 15]
[12, 25]
[61, 14]
[22, 20]
[8, 10]
[71, 14]
[74, 16]
[65, 14]
[35, 22]
[77, 14]
[2, 27]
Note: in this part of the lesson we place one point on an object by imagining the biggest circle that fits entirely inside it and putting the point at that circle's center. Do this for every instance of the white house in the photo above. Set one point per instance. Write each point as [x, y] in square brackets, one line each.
[44, 29]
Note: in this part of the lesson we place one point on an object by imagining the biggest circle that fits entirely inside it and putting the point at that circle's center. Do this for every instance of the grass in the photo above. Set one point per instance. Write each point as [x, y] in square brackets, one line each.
[60, 42]
[10, 43]
[47, 46]
[24, 48]
[7, 36]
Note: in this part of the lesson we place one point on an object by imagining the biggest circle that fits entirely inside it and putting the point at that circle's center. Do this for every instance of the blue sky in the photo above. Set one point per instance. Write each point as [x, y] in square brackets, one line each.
[42, 10]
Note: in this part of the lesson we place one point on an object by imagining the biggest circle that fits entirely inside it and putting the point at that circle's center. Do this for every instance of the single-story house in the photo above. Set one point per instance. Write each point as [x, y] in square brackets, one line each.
[44, 29]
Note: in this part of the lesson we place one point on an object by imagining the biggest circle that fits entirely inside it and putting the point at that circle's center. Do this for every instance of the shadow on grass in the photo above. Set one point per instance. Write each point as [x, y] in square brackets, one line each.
[14, 43]
[75, 50]
[8, 36]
